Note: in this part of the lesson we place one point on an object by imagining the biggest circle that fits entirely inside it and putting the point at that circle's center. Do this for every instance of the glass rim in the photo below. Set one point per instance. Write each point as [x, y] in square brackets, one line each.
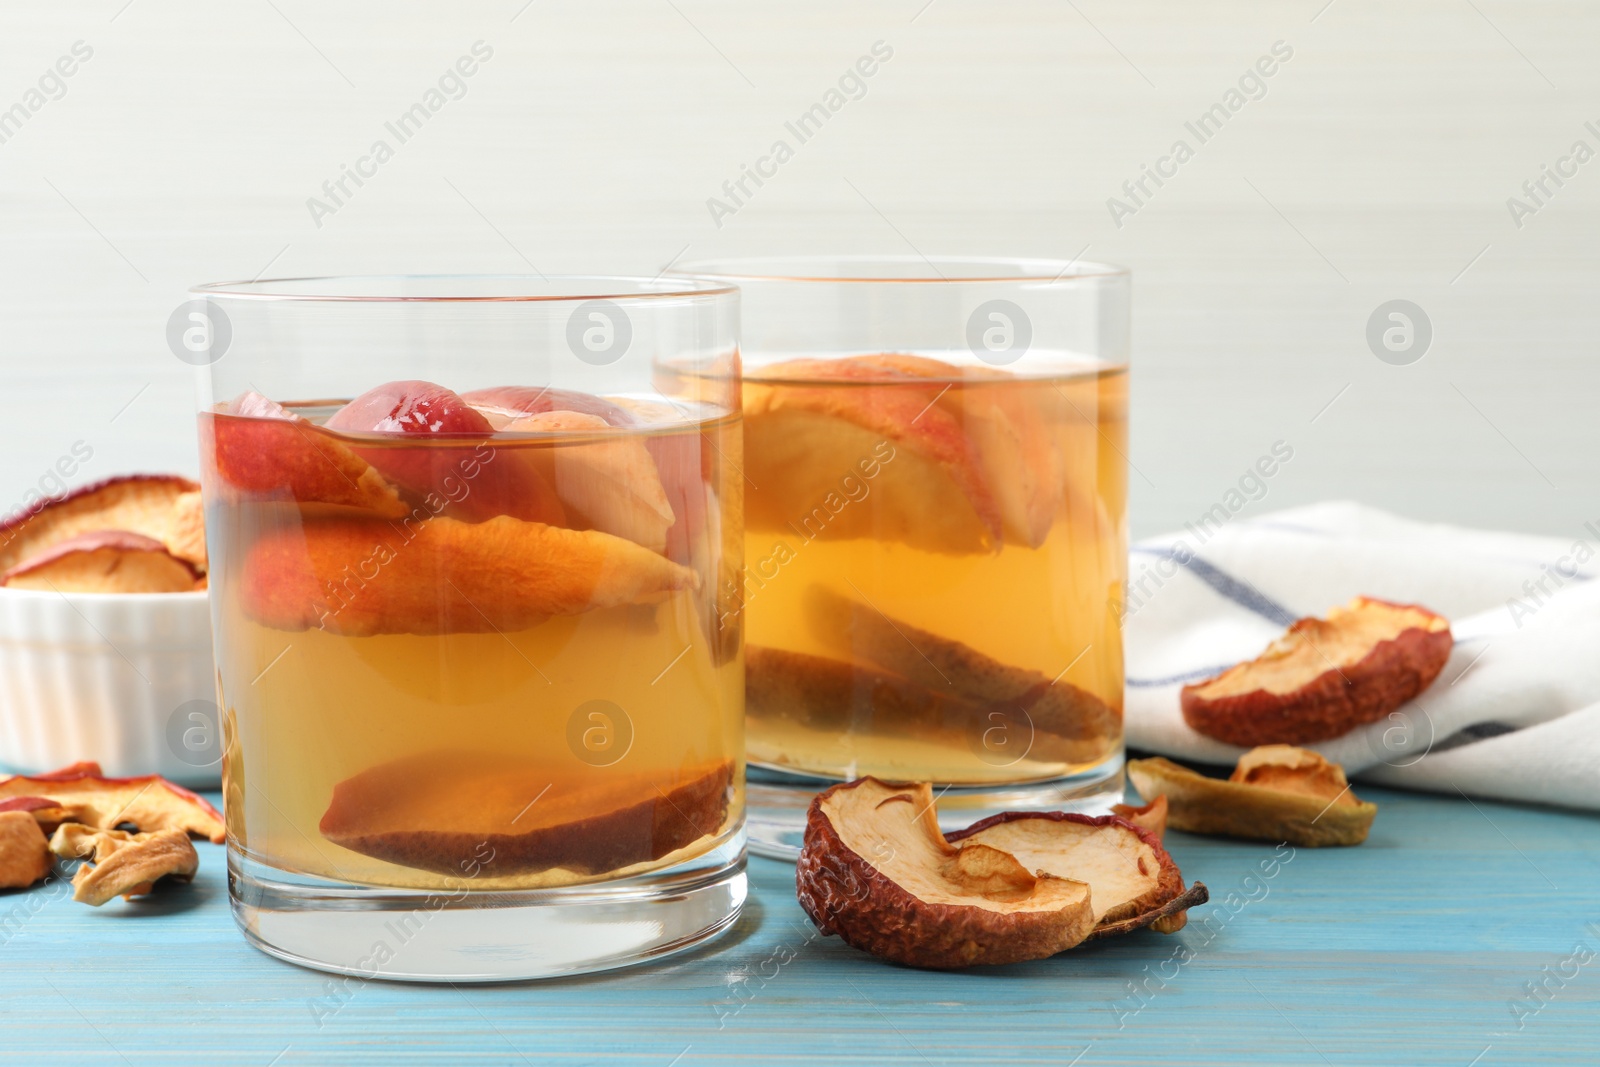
[968, 270]
[322, 288]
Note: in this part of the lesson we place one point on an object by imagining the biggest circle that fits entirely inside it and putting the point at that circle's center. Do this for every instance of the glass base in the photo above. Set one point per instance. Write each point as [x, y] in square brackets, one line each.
[412, 935]
[776, 802]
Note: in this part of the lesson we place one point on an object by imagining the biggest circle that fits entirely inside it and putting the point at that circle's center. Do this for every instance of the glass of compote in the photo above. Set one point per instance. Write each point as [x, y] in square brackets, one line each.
[935, 533]
[482, 687]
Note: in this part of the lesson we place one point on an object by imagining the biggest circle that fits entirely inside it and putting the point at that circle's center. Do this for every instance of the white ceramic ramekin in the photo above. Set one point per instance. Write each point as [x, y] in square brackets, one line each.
[125, 679]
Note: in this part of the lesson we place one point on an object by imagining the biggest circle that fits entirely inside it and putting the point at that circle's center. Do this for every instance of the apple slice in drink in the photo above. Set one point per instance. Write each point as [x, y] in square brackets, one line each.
[359, 576]
[462, 470]
[263, 451]
[811, 424]
[447, 811]
[1022, 464]
[503, 404]
[606, 480]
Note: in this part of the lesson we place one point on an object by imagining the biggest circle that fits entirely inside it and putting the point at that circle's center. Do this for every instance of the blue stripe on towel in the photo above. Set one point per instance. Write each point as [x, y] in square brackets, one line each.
[1174, 679]
[1478, 732]
[1235, 589]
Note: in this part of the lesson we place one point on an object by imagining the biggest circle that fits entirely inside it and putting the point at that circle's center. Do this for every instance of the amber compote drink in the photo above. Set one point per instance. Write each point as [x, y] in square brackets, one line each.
[935, 541]
[482, 686]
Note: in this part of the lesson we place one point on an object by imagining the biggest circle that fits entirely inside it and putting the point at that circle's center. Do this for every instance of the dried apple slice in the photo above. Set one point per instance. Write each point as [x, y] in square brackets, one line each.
[1323, 678]
[1151, 817]
[123, 864]
[833, 695]
[809, 424]
[262, 451]
[608, 482]
[1054, 707]
[149, 802]
[876, 871]
[47, 813]
[1133, 881]
[139, 503]
[186, 535]
[24, 851]
[441, 811]
[1277, 793]
[104, 561]
[361, 576]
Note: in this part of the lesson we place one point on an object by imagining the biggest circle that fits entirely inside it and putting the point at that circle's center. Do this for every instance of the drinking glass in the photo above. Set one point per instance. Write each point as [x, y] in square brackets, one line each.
[935, 530]
[481, 681]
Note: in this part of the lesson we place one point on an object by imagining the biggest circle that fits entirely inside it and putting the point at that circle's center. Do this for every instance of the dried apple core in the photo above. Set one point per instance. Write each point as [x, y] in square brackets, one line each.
[1315, 646]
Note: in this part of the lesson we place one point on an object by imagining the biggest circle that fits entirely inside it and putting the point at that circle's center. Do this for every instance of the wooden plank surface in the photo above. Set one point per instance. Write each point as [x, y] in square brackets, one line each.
[1407, 950]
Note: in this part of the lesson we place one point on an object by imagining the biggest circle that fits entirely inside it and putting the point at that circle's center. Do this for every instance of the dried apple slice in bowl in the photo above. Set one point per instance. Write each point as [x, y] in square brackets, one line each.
[163, 507]
[104, 561]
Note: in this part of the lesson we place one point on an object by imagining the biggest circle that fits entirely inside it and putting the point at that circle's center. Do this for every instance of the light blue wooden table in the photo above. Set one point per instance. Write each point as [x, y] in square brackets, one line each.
[1408, 950]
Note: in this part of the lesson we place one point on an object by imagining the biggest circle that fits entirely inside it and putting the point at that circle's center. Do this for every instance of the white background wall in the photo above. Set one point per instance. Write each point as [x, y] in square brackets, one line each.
[1376, 167]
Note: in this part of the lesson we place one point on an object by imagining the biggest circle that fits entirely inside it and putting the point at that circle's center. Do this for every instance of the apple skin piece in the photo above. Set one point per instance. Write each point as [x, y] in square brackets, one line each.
[504, 404]
[462, 466]
[24, 850]
[443, 812]
[104, 561]
[607, 482]
[802, 439]
[260, 450]
[1316, 811]
[1324, 678]
[139, 503]
[149, 802]
[1130, 875]
[916, 901]
[360, 576]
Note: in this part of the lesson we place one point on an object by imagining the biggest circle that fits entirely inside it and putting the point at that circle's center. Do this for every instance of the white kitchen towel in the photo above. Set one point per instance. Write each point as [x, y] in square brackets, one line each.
[1514, 715]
